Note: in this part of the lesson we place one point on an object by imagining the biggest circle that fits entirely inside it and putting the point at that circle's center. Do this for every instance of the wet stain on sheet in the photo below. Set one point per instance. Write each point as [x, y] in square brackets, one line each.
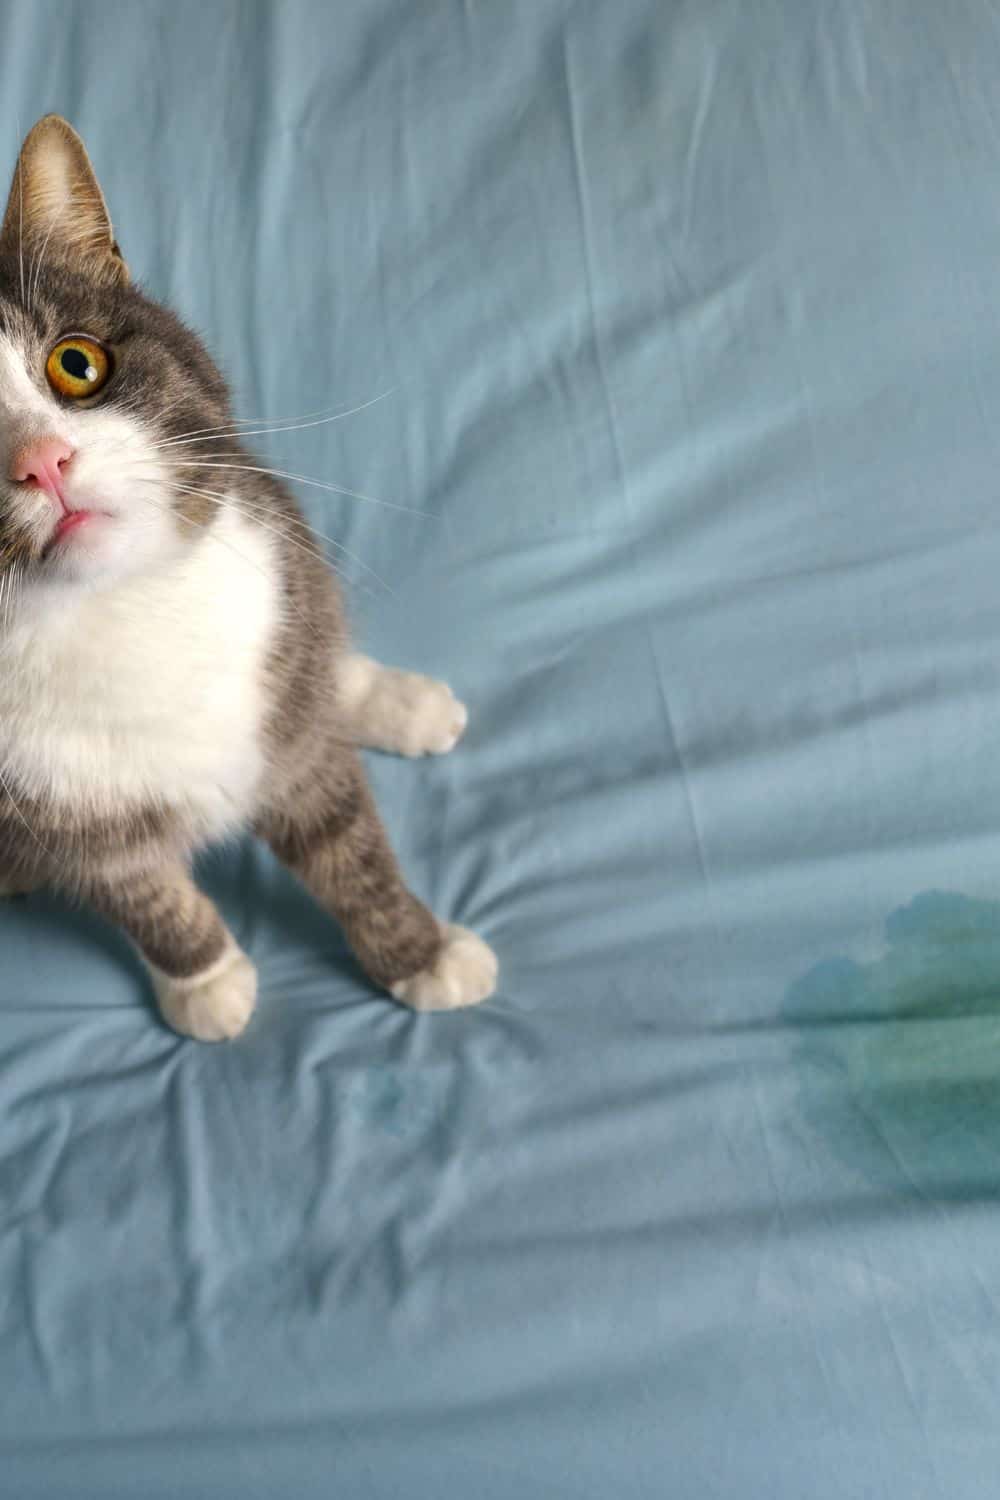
[900, 1057]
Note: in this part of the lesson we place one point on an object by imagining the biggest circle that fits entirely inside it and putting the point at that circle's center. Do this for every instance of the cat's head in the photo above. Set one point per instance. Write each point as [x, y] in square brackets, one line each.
[98, 385]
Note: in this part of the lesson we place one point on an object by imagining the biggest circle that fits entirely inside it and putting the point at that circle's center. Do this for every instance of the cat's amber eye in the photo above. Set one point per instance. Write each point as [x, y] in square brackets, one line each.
[77, 367]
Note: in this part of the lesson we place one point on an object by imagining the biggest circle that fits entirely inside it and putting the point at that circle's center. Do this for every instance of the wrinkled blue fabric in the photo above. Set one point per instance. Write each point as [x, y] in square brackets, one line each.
[685, 320]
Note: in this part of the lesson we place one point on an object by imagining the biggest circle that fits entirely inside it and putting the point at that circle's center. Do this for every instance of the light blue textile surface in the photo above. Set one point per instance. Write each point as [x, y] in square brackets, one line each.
[690, 314]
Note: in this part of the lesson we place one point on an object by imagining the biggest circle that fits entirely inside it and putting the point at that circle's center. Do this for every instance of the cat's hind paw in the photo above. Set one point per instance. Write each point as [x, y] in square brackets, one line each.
[214, 1006]
[464, 973]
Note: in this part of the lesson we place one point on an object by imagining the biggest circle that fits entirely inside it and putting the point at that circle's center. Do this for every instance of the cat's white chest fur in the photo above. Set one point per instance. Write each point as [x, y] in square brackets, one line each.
[152, 692]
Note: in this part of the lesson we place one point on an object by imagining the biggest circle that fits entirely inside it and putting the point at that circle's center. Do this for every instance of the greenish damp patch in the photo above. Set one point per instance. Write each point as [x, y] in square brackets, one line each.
[900, 1057]
[398, 1102]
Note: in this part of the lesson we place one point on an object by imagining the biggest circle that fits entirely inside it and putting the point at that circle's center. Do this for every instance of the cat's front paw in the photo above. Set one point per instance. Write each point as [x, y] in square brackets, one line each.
[464, 973]
[401, 712]
[213, 1007]
[432, 718]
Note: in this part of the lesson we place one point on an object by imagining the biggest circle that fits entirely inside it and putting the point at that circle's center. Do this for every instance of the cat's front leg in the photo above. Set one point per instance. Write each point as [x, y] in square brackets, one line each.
[401, 712]
[324, 826]
[205, 984]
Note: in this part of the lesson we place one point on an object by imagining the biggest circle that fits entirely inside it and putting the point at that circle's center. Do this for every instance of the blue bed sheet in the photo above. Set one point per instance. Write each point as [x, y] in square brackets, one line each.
[685, 321]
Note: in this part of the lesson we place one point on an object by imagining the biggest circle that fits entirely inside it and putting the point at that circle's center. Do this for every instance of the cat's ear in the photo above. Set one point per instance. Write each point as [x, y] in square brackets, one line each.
[55, 198]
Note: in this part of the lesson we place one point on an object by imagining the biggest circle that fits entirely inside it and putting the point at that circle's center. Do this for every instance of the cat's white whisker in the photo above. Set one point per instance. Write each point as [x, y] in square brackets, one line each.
[295, 426]
[171, 405]
[6, 590]
[210, 533]
[5, 787]
[319, 484]
[234, 426]
[12, 579]
[258, 513]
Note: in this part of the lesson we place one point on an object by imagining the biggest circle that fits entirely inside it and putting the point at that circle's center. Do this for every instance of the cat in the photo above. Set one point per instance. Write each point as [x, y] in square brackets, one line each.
[175, 665]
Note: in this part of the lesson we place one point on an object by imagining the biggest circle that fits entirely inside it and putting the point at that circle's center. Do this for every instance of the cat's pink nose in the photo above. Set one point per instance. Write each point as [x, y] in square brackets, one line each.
[41, 464]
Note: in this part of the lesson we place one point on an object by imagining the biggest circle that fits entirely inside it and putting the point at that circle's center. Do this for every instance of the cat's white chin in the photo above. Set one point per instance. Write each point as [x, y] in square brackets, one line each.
[79, 530]
[107, 549]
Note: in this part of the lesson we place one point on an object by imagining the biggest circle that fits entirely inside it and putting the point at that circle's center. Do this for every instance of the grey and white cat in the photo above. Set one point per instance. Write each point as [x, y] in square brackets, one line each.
[174, 665]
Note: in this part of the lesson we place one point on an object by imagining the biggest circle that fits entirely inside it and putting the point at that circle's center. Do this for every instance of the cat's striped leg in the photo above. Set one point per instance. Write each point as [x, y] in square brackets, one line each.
[328, 832]
[400, 712]
[205, 984]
